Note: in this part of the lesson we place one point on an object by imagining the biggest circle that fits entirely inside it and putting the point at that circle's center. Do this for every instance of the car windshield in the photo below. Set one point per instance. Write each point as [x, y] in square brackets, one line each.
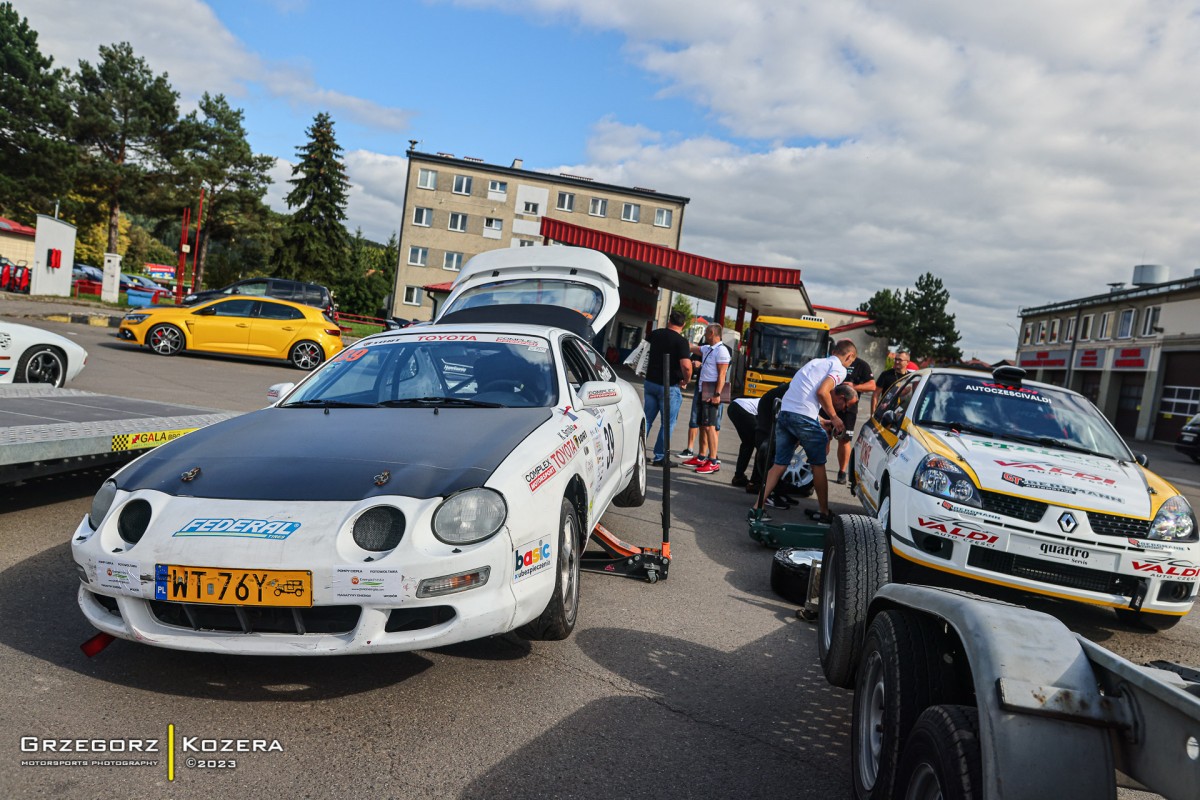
[1042, 415]
[581, 297]
[436, 369]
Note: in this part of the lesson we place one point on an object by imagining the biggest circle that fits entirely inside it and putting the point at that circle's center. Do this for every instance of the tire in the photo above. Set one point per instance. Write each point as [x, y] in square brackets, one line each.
[1146, 620]
[943, 756]
[856, 562]
[166, 340]
[557, 620]
[789, 579]
[634, 494]
[901, 674]
[306, 355]
[42, 364]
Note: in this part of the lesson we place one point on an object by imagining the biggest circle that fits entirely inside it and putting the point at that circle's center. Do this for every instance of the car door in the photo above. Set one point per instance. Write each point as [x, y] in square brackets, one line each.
[603, 425]
[223, 326]
[273, 329]
[879, 436]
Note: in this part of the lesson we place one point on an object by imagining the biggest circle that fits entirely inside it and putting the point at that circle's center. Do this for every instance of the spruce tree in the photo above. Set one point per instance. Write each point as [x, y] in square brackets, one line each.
[916, 320]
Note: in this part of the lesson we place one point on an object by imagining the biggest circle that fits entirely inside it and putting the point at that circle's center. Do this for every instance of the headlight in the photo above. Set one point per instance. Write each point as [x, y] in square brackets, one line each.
[1174, 521]
[941, 477]
[134, 319]
[101, 503]
[470, 516]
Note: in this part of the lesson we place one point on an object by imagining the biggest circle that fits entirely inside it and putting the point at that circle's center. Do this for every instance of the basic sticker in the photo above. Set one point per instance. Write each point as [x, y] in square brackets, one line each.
[238, 528]
[532, 559]
[143, 441]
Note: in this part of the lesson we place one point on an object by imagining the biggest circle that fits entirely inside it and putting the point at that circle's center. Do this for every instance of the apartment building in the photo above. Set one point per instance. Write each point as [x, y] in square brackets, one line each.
[455, 208]
[1134, 352]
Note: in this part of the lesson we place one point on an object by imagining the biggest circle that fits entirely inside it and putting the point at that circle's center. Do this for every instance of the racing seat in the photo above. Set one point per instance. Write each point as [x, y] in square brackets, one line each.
[506, 373]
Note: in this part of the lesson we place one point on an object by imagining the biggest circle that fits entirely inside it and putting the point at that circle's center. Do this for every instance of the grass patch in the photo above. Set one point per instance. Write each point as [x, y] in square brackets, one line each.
[359, 330]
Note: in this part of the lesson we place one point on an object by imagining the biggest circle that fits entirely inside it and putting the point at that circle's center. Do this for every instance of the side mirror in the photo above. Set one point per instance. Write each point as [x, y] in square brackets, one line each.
[1142, 459]
[599, 393]
[274, 393]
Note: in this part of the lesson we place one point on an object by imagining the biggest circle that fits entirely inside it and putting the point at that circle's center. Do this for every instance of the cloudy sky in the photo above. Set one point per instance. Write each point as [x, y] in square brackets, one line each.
[1023, 152]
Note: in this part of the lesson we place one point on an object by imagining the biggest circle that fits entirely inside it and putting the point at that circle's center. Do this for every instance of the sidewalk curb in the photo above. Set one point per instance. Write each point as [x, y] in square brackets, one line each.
[95, 320]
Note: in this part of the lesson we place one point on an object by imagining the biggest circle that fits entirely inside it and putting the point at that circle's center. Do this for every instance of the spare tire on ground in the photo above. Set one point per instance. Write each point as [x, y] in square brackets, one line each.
[790, 569]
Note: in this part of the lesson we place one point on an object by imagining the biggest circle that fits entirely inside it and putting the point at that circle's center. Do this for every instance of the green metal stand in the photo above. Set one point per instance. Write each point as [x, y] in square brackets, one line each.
[787, 534]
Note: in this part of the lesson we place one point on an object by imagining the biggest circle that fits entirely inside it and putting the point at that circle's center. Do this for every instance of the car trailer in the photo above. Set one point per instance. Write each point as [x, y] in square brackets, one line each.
[959, 696]
[44, 430]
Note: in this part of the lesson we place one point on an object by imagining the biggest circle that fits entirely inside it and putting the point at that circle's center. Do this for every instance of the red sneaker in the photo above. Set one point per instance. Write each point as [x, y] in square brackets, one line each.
[695, 461]
[709, 468]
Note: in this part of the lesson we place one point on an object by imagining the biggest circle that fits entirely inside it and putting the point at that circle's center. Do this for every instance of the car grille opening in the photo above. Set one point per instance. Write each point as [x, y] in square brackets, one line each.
[1016, 507]
[1069, 575]
[255, 619]
[1113, 525]
[415, 619]
[109, 603]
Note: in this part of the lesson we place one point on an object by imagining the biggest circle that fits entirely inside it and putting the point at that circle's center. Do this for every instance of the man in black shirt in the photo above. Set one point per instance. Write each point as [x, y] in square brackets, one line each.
[890, 376]
[667, 342]
[860, 376]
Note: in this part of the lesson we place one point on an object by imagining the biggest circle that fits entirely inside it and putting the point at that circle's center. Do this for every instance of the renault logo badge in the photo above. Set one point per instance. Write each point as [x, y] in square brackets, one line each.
[1067, 522]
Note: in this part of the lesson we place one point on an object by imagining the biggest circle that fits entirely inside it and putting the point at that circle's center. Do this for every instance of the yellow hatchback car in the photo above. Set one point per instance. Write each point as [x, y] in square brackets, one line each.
[243, 326]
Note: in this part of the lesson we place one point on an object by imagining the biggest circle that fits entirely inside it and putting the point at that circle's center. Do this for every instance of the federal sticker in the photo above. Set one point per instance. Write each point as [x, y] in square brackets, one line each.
[144, 441]
[532, 559]
[238, 528]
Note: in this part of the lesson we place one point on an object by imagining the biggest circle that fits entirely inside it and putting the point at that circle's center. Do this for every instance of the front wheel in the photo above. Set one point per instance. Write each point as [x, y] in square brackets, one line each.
[166, 340]
[634, 494]
[557, 620]
[306, 355]
[42, 365]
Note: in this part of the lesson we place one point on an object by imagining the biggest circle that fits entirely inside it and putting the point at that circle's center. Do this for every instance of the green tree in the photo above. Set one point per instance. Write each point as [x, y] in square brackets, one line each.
[315, 242]
[124, 122]
[916, 319]
[215, 156]
[35, 158]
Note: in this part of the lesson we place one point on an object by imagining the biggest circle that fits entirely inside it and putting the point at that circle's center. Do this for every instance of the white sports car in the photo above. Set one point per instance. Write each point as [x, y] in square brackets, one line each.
[1025, 485]
[426, 486]
[32, 355]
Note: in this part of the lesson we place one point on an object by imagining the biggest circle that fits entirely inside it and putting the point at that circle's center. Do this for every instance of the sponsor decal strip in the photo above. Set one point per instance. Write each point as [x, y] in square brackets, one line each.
[143, 441]
[239, 528]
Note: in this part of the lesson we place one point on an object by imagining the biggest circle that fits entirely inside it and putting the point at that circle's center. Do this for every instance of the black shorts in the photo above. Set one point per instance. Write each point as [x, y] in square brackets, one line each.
[707, 414]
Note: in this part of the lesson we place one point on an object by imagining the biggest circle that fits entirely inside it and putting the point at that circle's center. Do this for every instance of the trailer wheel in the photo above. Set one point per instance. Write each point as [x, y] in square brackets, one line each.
[942, 758]
[901, 674]
[1147, 620]
[855, 564]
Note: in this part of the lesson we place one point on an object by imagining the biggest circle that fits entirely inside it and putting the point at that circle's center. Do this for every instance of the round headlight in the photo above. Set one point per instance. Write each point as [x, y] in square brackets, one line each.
[134, 519]
[379, 528]
[470, 516]
[101, 503]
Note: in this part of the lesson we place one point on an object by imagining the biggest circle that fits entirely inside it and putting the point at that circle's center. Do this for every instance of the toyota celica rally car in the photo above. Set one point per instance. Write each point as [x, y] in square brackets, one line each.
[1025, 485]
[426, 486]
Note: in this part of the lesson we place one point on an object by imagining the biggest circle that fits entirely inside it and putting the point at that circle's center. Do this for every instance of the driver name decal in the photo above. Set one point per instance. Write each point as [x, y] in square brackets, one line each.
[243, 528]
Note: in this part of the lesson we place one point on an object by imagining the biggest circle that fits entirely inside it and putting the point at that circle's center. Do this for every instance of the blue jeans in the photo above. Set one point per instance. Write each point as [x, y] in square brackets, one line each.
[793, 429]
[694, 422]
[653, 404]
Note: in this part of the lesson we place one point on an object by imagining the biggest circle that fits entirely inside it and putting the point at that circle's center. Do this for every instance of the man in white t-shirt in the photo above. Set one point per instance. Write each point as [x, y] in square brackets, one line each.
[810, 391]
[714, 374]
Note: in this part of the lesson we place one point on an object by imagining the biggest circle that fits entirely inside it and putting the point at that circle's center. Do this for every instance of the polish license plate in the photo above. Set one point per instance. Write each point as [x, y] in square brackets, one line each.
[232, 587]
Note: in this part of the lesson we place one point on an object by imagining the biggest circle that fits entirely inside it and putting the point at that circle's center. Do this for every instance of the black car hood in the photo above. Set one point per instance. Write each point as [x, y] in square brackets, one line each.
[306, 454]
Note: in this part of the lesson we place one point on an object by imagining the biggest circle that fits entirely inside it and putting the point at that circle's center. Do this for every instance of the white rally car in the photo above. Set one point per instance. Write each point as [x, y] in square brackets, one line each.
[1025, 485]
[32, 355]
[426, 486]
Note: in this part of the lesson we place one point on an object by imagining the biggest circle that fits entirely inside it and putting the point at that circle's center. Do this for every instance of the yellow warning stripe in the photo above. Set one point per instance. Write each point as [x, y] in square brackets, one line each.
[144, 440]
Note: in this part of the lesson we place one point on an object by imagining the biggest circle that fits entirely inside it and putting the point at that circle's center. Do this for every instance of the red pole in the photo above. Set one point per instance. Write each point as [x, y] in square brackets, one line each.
[196, 251]
[183, 231]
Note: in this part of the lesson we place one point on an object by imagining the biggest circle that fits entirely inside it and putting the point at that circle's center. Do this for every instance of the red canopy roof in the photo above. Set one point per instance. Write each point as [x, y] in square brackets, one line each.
[9, 226]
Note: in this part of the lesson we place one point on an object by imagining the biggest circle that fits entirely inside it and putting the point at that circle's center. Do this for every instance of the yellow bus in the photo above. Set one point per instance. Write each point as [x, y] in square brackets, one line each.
[775, 347]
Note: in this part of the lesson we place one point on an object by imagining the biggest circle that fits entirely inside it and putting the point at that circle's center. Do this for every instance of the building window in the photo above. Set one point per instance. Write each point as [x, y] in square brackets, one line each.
[462, 184]
[1041, 332]
[418, 256]
[493, 223]
[1069, 336]
[1085, 328]
[566, 201]
[500, 187]
[598, 207]
[452, 261]
[631, 212]
[1181, 400]
[662, 217]
[1150, 320]
[1125, 324]
[423, 217]
[427, 179]
[413, 295]
[1054, 323]
[1027, 337]
[1105, 327]
[531, 208]
[458, 222]
[527, 242]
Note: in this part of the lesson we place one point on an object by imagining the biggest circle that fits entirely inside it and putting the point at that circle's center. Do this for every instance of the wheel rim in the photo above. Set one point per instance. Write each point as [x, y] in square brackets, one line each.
[44, 367]
[306, 355]
[885, 512]
[924, 784]
[568, 569]
[165, 341]
[869, 725]
[828, 602]
[641, 464]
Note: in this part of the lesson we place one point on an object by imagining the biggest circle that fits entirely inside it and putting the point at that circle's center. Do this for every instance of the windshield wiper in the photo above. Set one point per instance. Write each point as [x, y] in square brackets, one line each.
[327, 404]
[430, 402]
[1050, 441]
[960, 427]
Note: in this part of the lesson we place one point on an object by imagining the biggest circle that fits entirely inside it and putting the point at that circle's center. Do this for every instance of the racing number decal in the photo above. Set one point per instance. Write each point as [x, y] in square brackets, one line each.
[611, 444]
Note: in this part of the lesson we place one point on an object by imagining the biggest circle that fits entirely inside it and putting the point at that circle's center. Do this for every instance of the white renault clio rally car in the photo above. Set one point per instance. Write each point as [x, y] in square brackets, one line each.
[1025, 485]
[427, 486]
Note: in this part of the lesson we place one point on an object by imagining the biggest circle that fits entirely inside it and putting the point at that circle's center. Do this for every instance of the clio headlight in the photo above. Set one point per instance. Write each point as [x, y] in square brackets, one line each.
[1174, 521]
[941, 477]
[101, 503]
[469, 517]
